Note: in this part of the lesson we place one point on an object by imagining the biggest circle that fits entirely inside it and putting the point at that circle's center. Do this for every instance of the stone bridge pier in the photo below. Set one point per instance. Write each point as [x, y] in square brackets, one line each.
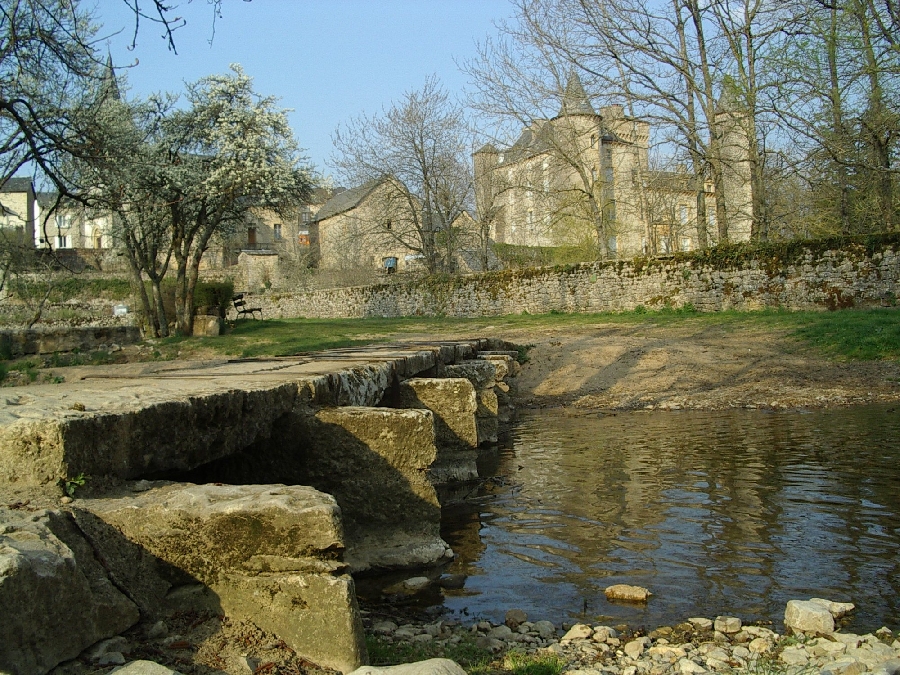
[246, 488]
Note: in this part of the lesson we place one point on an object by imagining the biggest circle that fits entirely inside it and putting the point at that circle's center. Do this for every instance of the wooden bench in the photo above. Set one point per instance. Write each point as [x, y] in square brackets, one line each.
[240, 306]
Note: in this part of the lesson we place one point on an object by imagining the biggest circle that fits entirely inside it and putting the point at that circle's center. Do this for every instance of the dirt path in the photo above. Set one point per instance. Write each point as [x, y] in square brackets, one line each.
[690, 365]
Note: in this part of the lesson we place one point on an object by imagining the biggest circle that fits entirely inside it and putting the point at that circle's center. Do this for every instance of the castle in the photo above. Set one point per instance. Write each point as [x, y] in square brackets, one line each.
[583, 178]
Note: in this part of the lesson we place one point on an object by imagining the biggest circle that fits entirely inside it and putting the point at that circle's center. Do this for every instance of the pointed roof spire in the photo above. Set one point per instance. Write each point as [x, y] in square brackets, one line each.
[109, 85]
[575, 100]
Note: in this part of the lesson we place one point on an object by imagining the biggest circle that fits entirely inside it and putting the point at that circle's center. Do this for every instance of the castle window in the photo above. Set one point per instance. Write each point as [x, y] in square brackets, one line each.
[388, 224]
[683, 214]
[664, 246]
[276, 231]
[500, 158]
[685, 244]
[613, 244]
[593, 140]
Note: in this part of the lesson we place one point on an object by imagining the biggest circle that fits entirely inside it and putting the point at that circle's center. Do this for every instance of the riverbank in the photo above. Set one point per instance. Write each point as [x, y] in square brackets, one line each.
[695, 646]
[691, 364]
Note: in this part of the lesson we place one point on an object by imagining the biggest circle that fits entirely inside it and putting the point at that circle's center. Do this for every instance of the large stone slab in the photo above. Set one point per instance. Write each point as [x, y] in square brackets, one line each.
[176, 434]
[267, 553]
[454, 404]
[375, 462]
[55, 597]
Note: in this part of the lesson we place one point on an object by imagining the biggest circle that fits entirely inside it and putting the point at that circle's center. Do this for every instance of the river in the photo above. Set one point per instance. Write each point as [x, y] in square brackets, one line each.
[715, 512]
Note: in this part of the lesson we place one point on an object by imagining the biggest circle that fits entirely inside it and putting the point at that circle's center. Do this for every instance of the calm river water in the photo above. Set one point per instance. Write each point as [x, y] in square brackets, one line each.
[714, 512]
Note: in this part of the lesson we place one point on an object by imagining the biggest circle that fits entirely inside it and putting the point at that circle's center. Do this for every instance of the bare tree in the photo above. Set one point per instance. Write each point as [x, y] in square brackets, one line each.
[417, 151]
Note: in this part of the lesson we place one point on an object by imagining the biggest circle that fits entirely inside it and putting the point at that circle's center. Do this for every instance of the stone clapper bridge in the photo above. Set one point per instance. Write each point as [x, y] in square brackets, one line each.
[251, 487]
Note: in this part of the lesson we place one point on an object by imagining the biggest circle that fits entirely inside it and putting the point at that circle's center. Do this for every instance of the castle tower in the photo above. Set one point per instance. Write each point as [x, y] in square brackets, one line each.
[737, 182]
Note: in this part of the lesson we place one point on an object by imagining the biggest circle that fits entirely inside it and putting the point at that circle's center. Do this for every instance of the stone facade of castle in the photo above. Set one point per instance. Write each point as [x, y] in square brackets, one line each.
[584, 177]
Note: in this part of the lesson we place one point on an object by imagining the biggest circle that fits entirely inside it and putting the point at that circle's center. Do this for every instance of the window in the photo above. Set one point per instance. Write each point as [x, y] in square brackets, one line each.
[593, 173]
[683, 214]
[593, 140]
[500, 158]
[251, 236]
[388, 224]
[613, 244]
[664, 245]
[276, 231]
[62, 241]
[530, 218]
[545, 167]
[644, 247]
[305, 216]
[685, 244]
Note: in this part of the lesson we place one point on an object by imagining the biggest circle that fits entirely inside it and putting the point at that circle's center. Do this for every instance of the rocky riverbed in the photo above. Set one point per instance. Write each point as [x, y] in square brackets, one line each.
[697, 645]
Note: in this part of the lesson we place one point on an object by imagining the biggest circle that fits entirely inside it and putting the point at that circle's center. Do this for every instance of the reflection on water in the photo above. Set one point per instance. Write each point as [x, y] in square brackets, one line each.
[715, 512]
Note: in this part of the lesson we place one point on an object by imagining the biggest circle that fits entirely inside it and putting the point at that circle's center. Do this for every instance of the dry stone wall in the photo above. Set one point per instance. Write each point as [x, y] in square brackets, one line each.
[813, 280]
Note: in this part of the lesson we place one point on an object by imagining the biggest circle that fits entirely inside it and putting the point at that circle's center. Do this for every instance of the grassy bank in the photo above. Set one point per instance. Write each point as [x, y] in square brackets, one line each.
[847, 334]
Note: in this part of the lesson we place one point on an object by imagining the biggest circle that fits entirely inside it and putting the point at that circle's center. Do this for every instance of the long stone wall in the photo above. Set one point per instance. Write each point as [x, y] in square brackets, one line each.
[814, 280]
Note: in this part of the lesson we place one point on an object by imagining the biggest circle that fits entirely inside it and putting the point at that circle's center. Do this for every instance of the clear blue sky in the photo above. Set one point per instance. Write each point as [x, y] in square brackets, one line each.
[328, 60]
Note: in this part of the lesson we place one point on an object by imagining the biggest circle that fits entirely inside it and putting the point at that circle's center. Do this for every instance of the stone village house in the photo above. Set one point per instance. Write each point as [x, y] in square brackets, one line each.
[532, 191]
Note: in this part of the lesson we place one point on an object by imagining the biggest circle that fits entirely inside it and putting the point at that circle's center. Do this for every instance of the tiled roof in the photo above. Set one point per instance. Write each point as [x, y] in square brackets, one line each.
[346, 200]
[16, 185]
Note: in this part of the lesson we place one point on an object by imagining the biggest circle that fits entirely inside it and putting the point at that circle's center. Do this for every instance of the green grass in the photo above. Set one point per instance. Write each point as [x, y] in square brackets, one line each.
[850, 334]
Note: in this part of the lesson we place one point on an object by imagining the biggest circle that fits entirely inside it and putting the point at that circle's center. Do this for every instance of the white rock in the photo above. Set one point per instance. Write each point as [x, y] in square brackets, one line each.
[384, 627]
[740, 653]
[794, 656]
[143, 668]
[824, 647]
[849, 639]
[688, 667]
[429, 667]
[759, 645]
[837, 609]
[728, 624]
[701, 623]
[844, 666]
[634, 648]
[579, 631]
[626, 593]
[717, 664]
[805, 616]
[889, 667]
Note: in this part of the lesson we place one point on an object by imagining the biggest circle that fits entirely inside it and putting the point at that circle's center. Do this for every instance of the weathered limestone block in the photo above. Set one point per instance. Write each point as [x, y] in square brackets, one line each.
[482, 375]
[174, 435]
[55, 598]
[267, 553]
[480, 372]
[453, 403]
[375, 463]
[806, 616]
[505, 363]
